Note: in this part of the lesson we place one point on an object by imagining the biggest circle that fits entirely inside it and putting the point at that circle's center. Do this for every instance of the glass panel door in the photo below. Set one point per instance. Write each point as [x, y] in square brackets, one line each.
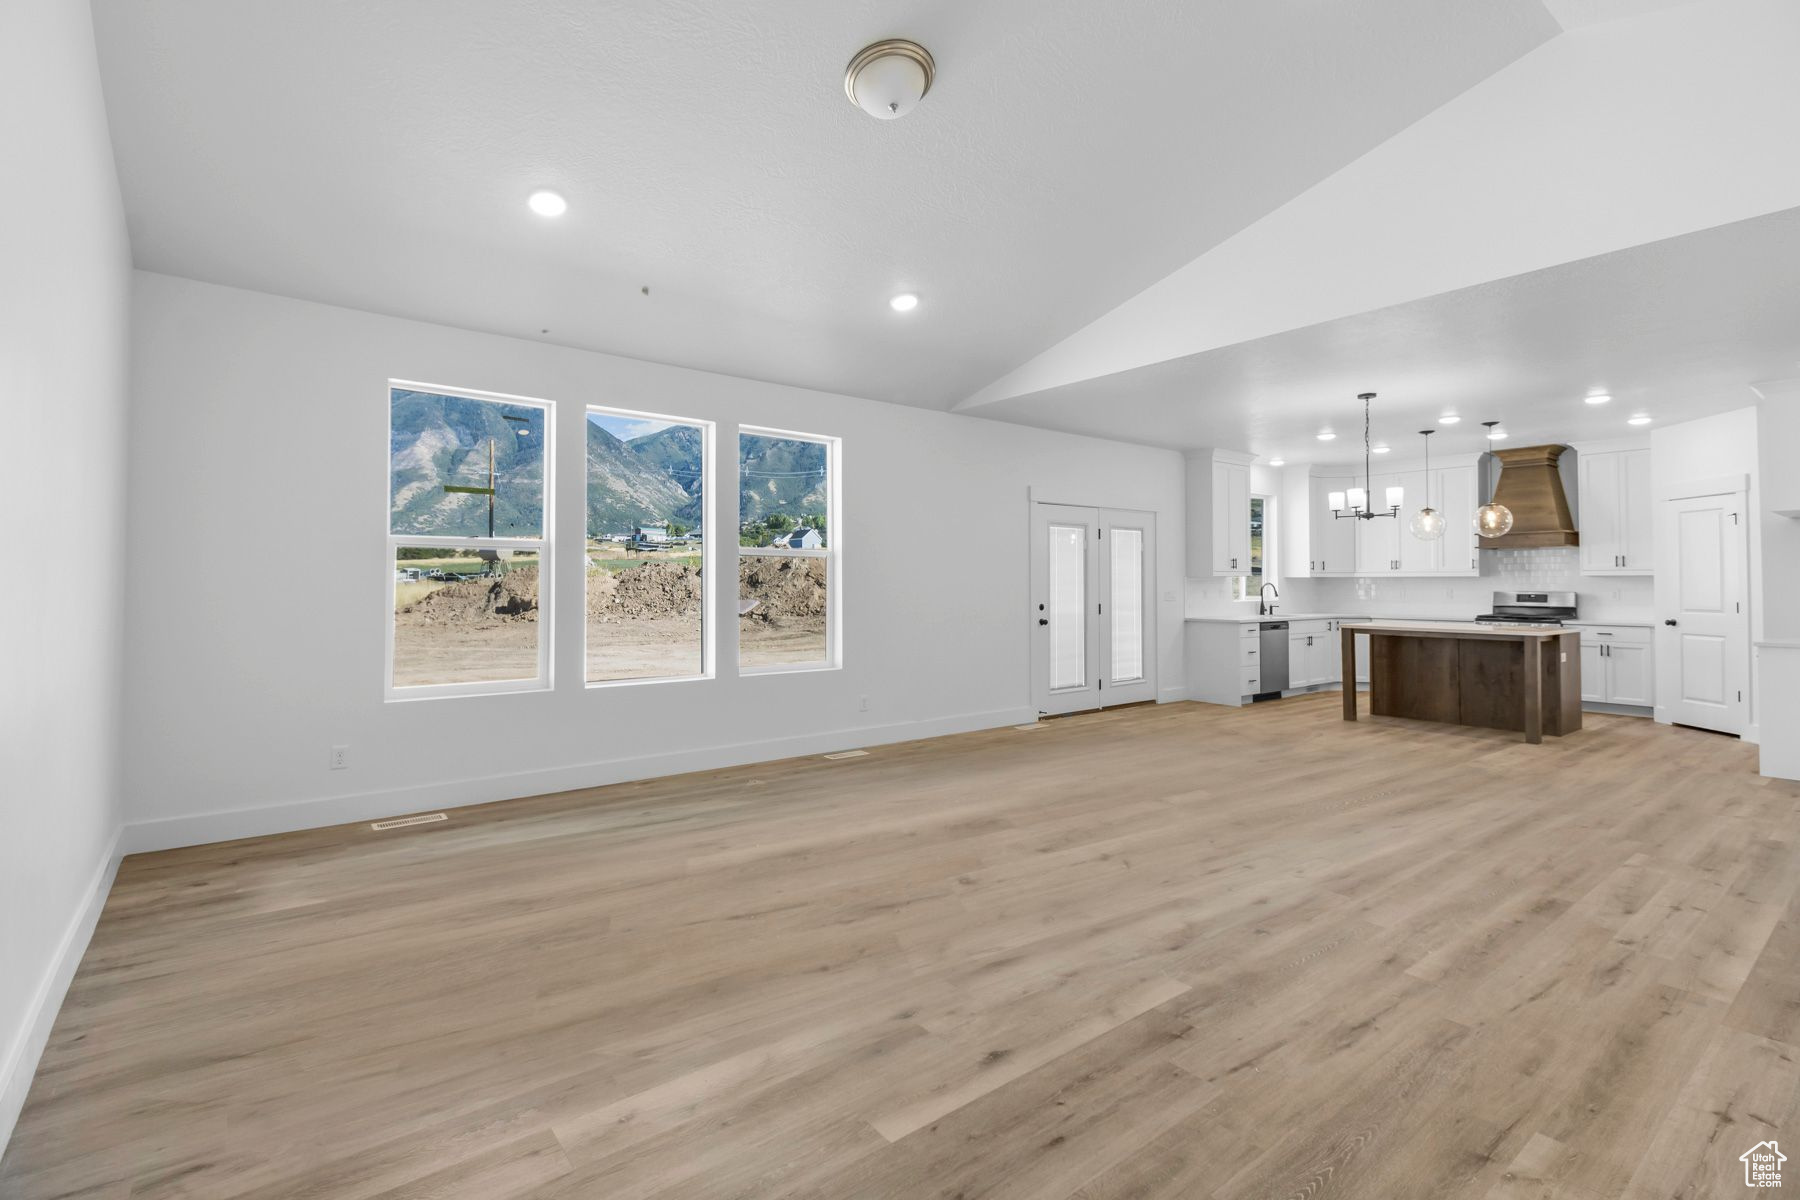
[1126, 566]
[1068, 606]
[1093, 619]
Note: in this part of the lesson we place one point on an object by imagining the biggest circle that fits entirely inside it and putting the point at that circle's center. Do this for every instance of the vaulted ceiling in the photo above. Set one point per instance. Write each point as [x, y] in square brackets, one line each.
[1089, 190]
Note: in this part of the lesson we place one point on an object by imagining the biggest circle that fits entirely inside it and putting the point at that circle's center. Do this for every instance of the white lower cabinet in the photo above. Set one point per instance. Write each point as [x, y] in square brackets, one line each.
[1617, 665]
[1315, 653]
[1224, 658]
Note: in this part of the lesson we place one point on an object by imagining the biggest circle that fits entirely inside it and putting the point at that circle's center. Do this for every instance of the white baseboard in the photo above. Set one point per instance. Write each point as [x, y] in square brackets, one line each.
[20, 1065]
[198, 829]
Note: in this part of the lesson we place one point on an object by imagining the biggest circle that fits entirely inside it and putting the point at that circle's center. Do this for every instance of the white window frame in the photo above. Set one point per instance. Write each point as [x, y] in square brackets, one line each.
[834, 533]
[542, 544]
[1241, 583]
[708, 557]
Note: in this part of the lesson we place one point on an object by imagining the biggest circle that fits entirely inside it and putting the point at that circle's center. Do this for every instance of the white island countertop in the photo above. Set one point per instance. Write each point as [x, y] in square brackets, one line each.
[1457, 627]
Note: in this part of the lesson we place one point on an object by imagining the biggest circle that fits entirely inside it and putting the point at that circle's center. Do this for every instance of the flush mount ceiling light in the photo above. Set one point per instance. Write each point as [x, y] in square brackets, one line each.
[1278, 462]
[1599, 398]
[1428, 522]
[1326, 436]
[904, 302]
[1638, 419]
[547, 204]
[886, 79]
[1381, 449]
[1449, 419]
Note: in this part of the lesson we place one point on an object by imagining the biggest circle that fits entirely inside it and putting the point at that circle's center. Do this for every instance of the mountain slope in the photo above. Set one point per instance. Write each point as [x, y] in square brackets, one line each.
[625, 488]
[435, 440]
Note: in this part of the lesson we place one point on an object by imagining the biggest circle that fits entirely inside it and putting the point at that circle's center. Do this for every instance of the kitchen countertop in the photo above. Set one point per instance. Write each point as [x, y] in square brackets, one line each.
[1457, 627]
[1283, 616]
[1584, 623]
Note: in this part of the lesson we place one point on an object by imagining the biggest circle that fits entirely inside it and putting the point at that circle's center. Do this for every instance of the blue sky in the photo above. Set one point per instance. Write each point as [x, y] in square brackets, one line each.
[626, 428]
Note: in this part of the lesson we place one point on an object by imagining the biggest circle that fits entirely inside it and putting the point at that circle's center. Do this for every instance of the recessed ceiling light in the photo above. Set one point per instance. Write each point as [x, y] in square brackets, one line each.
[547, 204]
[904, 302]
[1381, 449]
[1598, 398]
[1449, 419]
[1327, 436]
[1278, 462]
[1639, 419]
[1496, 435]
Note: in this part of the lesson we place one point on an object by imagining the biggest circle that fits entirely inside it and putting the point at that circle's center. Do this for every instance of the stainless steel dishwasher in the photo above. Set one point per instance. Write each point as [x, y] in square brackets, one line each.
[1273, 651]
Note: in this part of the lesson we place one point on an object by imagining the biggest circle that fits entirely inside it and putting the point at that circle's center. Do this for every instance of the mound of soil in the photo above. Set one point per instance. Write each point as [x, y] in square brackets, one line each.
[475, 601]
[784, 588]
[652, 591]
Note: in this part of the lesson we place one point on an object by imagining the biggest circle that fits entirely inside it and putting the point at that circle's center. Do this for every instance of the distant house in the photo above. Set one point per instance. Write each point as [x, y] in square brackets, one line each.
[799, 539]
[650, 535]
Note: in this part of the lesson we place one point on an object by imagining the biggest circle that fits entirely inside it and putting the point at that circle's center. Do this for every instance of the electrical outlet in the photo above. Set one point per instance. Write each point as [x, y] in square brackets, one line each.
[340, 757]
[865, 704]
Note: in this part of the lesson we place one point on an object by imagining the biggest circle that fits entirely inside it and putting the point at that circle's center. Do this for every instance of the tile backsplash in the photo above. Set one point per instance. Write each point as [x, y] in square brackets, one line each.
[1557, 569]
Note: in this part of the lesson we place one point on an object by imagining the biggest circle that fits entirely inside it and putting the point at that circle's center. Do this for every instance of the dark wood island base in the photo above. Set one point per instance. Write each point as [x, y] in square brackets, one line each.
[1492, 676]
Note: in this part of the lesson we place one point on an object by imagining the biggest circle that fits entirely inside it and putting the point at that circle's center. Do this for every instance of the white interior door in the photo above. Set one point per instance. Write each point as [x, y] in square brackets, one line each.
[1093, 618]
[1703, 648]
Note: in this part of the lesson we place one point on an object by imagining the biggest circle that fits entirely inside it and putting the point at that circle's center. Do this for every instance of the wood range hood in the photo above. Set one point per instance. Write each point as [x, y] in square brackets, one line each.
[1530, 484]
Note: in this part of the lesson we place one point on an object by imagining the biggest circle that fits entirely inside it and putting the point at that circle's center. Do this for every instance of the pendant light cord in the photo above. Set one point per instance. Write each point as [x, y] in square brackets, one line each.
[1368, 477]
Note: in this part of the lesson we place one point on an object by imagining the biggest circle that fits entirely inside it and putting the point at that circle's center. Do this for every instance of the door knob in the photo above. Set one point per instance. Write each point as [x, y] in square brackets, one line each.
[1669, 621]
[1043, 621]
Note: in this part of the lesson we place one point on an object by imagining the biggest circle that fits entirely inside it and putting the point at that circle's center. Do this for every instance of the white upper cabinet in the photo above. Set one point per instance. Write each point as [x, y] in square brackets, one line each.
[1454, 495]
[1386, 545]
[1331, 548]
[1416, 557]
[1616, 512]
[1218, 518]
[1378, 539]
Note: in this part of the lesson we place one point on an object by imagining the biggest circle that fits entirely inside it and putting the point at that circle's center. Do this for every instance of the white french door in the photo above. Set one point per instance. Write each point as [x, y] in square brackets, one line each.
[1703, 646]
[1093, 611]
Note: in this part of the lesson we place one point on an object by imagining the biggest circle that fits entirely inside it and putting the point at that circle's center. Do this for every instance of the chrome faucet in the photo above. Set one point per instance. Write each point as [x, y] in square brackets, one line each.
[1263, 607]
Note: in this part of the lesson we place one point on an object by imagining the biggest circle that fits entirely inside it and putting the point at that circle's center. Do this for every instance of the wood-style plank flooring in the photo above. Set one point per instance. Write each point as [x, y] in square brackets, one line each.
[1181, 952]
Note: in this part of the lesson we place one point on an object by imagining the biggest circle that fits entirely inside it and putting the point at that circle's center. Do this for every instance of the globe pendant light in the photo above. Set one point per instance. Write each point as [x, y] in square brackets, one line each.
[1428, 522]
[1493, 520]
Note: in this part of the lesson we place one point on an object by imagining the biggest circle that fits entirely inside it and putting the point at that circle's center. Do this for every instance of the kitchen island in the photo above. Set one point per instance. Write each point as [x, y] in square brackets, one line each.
[1526, 678]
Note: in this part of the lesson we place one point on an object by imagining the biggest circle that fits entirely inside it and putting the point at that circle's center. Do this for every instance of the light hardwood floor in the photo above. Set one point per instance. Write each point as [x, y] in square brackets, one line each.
[1179, 952]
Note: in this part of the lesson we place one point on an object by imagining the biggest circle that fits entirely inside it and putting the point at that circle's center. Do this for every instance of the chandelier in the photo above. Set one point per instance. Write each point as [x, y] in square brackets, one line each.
[1360, 503]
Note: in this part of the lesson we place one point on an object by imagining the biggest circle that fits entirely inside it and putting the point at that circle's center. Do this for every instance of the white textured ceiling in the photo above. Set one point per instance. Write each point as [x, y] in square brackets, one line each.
[1070, 154]
[1573, 14]
[1677, 329]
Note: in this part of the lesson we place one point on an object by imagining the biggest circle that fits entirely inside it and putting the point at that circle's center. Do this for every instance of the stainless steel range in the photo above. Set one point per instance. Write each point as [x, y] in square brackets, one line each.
[1530, 608]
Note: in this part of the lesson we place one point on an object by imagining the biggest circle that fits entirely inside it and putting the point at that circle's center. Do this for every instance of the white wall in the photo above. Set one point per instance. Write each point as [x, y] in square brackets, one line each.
[1777, 662]
[259, 440]
[1778, 436]
[64, 279]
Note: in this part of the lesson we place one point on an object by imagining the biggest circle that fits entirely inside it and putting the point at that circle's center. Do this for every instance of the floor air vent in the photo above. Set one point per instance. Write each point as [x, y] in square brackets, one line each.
[403, 822]
[848, 754]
